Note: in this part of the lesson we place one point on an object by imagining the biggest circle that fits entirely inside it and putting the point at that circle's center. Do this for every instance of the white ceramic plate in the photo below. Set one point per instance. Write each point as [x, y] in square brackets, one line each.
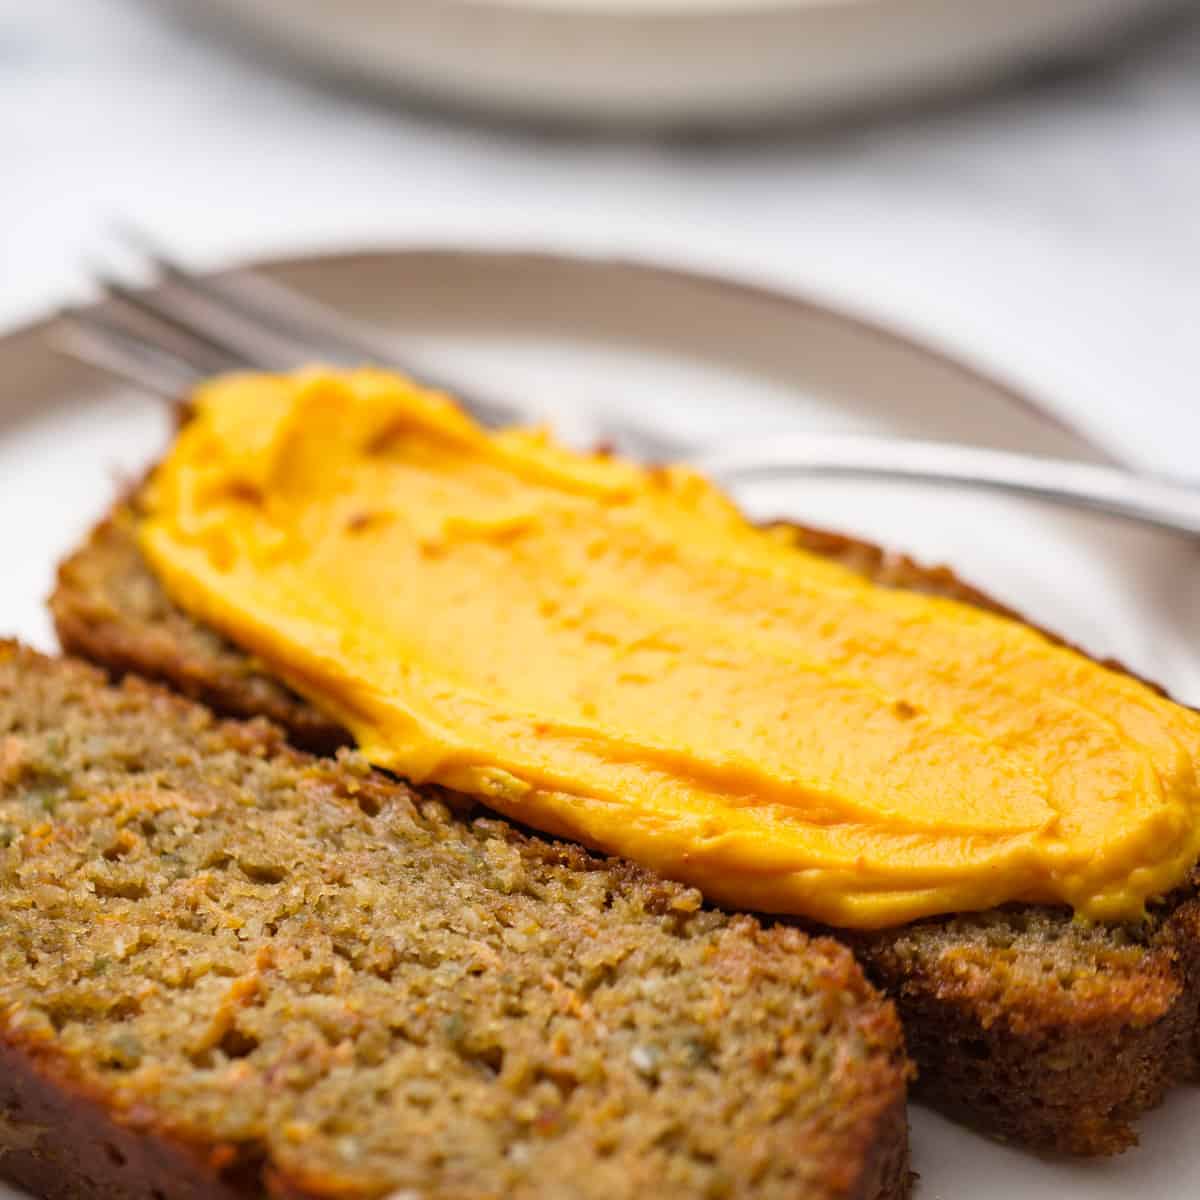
[675, 62]
[710, 356]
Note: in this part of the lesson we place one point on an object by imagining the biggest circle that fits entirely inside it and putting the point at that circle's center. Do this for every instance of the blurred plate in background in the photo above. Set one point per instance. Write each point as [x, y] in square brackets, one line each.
[709, 63]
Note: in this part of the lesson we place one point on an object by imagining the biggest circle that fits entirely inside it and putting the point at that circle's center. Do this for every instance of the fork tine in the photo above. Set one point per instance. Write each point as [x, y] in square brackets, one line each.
[96, 341]
[270, 326]
[305, 323]
[312, 329]
[162, 329]
[221, 336]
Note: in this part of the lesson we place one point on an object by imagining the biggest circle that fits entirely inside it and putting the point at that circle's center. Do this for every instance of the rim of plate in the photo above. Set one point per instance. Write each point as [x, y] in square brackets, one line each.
[680, 8]
[656, 9]
[710, 279]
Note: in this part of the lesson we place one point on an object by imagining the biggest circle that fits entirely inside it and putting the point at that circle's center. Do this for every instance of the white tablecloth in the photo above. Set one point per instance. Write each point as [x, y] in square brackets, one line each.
[1051, 234]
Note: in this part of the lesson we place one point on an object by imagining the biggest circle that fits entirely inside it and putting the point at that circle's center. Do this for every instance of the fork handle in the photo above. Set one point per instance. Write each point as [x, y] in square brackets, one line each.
[1120, 493]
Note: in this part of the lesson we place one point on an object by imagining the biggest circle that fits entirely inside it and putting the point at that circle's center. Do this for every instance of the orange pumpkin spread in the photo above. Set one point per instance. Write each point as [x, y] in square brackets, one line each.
[613, 653]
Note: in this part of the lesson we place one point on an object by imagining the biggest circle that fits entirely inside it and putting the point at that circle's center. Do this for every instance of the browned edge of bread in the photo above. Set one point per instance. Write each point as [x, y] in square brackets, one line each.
[64, 1137]
[1023, 1022]
[59, 1143]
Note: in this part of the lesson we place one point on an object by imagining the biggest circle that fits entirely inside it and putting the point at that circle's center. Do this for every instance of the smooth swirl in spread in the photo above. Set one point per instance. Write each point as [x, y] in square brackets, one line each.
[615, 654]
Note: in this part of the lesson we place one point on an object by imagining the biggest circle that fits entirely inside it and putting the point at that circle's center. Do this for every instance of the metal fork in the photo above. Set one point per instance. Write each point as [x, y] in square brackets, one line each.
[167, 338]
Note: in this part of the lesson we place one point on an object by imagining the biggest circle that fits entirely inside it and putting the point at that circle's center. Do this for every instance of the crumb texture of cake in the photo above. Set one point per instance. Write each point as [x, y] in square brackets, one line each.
[1029, 1025]
[228, 969]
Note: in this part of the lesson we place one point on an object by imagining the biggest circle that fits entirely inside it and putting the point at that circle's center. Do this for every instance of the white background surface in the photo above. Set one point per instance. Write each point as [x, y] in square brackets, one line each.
[1049, 232]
